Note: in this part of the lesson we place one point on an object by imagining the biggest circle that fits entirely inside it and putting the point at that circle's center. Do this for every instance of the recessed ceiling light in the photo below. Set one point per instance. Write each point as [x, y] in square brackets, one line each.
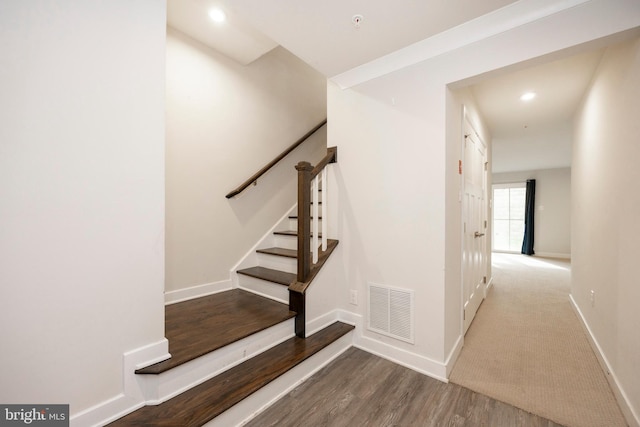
[528, 96]
[217, 15]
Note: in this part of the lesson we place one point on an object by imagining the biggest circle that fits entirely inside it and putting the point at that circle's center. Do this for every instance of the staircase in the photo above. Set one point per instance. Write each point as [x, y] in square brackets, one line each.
[236, 352]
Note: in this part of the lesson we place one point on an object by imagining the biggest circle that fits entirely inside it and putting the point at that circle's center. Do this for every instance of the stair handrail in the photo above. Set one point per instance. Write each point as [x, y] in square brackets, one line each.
[254, 178]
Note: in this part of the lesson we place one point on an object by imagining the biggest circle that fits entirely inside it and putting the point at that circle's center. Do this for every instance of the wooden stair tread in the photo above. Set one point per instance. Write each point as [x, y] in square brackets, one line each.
[200, 326]
[293, 233]
[264, 273]
[287, 253]
[201, 404]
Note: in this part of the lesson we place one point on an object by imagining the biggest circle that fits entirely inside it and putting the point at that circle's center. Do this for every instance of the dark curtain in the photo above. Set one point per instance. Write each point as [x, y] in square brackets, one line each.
[529, 210]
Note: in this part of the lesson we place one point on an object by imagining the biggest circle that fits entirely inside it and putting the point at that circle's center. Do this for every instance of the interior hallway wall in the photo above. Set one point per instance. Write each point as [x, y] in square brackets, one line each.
[225, 121]
[605, 213]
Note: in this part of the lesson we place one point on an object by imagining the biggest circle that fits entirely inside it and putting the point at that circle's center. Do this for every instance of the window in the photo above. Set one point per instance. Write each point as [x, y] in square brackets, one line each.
[508, 216]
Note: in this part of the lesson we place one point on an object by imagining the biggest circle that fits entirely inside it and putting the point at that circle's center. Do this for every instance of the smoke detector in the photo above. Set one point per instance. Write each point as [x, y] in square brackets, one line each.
[357, 20]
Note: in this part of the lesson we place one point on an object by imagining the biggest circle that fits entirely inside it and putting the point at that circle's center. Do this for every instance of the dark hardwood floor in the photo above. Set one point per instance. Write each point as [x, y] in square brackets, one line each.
[360, 389]
[190, 325]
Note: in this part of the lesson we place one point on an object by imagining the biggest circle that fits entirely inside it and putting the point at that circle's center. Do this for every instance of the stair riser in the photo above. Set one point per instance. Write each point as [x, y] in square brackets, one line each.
[274, 291]
[251, 406]
[162, 387]
[293, 224]
[278, 262]
[287, 242]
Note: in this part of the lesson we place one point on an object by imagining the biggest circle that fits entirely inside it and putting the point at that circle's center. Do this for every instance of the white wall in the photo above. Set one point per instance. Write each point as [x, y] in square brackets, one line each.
[225, 121]
[81, 195]
[606, 210]
[395, 180]
[545, 148]
[552, 225]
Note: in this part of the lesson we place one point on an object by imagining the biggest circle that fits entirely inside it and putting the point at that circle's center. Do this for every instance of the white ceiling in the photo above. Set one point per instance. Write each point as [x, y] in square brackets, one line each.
[234, 38]
[535, 134]
[559, 85]
[322, 34]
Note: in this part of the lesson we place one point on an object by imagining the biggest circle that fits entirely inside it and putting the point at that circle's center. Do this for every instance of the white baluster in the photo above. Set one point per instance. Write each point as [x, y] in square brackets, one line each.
[324, 209]
[314, 224]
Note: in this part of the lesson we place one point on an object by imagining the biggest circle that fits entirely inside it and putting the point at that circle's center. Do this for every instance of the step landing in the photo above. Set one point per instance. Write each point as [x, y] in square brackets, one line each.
[200, 326]
[205, 402]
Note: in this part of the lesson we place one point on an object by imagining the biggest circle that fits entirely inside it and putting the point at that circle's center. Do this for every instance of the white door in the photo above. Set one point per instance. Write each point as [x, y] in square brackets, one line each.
[474, 259]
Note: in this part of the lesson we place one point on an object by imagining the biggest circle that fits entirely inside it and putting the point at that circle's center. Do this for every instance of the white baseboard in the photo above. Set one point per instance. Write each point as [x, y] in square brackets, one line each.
[102, 413]
[323, 321]
[416, 362]
[454, 353]
[488, 287]
[631, 414]
[552, 255]
[134, 387]
[198, 291]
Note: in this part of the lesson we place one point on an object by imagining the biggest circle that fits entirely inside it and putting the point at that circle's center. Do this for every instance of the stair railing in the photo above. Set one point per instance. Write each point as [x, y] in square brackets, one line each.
[312, 181]
[309, 179]
[254, 178]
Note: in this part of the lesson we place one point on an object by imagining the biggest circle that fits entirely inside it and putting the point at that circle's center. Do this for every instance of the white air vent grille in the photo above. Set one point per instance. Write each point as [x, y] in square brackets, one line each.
[391, 312]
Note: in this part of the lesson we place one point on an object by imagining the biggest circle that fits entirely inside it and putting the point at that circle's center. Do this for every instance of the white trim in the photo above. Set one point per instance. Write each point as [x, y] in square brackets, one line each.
[197, 291]
[454, 354]
[552, 255]
[134, 387]
[631, 414]
[502, 20]
[255, 291]
[405, 358]
[413, 361]
[522, 184]
[103, 413]
[488, 287]
[249, 256]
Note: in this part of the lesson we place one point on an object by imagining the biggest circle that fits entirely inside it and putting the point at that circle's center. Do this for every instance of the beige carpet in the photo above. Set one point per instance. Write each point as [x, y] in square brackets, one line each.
[527, 348]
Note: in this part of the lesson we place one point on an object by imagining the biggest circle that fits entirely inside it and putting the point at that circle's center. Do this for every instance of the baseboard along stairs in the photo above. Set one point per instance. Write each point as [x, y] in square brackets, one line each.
[235, 352]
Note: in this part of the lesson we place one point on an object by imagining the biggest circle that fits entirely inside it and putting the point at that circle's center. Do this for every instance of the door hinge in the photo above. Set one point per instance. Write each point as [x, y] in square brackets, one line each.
[465, 227]
[484, 279]
[485, 224]
[486, 166]
[464, 314]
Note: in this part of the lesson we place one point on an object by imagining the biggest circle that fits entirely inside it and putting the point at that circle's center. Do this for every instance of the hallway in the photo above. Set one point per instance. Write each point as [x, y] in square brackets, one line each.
[526, 347]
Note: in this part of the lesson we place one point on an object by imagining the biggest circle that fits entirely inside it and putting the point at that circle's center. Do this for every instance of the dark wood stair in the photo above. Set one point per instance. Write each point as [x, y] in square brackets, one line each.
[288, 253]
[293, 233]
[200, 326]
[204, 402]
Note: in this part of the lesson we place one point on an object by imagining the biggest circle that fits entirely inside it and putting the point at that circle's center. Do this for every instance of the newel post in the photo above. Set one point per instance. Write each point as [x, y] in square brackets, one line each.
[304, 220]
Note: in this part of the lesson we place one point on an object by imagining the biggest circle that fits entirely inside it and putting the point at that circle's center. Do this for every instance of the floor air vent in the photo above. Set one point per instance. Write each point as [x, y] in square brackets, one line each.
[391, 312]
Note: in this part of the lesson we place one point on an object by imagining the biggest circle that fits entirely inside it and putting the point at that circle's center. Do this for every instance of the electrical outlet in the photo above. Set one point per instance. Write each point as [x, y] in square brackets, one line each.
[593, 298]
[353, 297]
